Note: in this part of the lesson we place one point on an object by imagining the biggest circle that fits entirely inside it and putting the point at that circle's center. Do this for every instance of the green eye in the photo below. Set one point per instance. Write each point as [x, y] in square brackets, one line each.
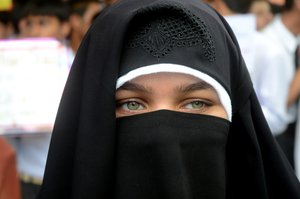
[195, 105]
[132, 106]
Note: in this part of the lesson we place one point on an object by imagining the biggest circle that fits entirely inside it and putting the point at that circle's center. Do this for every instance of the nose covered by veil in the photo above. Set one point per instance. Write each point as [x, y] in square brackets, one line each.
[162, 154]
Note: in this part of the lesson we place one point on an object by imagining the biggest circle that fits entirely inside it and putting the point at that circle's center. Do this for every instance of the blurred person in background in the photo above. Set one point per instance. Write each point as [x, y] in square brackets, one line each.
[294, 91]
[82, 14]
[263, 12]
[6, 25]
[9, 183]
[243, 24]
[294, 95]
[41, 19]
[17, 18]
[266, 67]
[283, 33]
[46, 19]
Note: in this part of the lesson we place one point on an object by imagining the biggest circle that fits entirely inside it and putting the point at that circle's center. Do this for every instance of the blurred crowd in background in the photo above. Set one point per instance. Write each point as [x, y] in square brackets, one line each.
[268, 33]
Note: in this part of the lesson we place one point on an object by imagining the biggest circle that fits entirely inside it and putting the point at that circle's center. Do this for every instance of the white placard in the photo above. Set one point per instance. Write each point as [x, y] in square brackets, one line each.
[32, 77]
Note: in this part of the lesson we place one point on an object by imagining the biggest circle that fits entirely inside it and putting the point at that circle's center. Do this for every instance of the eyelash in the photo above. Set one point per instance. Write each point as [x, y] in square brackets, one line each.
[141, 106]
[122, 103]
[204, 105]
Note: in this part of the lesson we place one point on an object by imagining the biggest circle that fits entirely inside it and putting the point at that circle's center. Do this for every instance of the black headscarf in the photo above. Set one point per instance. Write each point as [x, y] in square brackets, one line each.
[94, 155]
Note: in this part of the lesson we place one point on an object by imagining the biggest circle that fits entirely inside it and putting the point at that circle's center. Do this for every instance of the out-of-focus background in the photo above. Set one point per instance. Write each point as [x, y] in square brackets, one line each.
[39, 40]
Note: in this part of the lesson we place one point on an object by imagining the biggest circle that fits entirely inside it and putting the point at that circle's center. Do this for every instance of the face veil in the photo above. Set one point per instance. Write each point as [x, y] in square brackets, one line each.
[165, 154]
[92, 154]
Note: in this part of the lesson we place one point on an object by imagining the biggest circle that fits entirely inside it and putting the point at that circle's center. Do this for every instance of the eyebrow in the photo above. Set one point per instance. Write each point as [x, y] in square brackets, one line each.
[135, 87]
[200, 85]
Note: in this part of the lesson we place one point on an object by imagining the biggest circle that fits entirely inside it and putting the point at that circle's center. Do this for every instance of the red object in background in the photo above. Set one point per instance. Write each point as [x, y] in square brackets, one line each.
[9, 181]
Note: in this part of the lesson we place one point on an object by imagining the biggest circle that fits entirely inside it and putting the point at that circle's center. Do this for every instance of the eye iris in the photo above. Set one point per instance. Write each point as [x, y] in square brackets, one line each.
[132, 105]
[197, 104]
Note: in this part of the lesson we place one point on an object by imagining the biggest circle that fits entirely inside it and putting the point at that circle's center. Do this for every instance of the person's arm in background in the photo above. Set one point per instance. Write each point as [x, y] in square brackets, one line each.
[294, 91]
[9, 182]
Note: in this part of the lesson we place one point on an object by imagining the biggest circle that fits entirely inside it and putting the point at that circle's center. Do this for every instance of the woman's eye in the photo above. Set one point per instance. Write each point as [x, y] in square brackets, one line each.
[196, 105]
[132, 106]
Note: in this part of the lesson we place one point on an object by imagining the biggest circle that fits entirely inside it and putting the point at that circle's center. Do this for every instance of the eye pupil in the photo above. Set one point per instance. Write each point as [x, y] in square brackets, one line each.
[197, 104]
[132, 105]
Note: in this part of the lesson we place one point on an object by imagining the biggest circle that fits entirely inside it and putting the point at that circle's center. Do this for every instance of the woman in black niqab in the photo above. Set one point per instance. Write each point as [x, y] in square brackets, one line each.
[162, 154]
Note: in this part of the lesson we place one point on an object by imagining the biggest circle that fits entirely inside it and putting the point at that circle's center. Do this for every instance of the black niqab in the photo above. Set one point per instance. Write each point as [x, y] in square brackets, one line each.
[167, 154]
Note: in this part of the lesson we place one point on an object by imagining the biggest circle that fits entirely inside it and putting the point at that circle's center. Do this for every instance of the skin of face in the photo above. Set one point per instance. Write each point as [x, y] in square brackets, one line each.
[6, 30]
[2, 31]
[263, 13]
[92, 9]
[168, 91]
[45, 26]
